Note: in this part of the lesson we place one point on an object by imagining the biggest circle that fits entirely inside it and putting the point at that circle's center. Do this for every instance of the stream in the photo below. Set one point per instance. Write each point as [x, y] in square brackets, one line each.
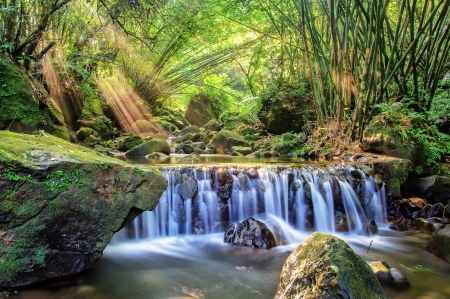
[159, 255]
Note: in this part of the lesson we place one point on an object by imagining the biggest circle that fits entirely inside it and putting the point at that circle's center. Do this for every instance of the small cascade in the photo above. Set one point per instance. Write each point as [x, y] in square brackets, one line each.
[203, 200]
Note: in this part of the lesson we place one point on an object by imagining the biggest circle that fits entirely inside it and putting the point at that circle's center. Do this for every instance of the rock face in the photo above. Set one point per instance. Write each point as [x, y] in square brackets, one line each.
[252, 233]
[324, 266]
[225, 140]
[435, 189]
[150, 147]
[439, 244]
[60, 204]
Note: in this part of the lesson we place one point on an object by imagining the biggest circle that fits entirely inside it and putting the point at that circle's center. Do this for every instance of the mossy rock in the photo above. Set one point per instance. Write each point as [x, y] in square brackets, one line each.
[60, 205]
[91, 141]
[101, 125]
[324, 266]
[225, 140]
[201, 109]
[214, 125]
[84, 132]
[243, 150]
[189, 130]
[394, 172]
[149, 147]
[61, 132]
[130, 141]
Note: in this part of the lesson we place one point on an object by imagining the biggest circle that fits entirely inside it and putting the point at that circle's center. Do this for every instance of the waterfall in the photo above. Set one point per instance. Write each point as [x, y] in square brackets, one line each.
[304, 198]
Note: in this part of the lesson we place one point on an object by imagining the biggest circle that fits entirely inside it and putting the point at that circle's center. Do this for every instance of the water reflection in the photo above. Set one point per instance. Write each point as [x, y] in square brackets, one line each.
[175, 159]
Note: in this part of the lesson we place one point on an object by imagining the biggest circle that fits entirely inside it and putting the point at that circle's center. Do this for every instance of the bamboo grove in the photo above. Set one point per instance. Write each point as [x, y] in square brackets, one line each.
[363, 53]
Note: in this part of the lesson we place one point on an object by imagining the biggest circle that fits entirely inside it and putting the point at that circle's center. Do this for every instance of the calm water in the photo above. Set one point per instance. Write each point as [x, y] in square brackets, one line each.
[176, 159]
[205, 267]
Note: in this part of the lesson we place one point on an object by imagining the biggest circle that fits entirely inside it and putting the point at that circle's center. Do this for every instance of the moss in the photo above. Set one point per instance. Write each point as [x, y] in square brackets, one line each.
[130, 141]
[394, 172]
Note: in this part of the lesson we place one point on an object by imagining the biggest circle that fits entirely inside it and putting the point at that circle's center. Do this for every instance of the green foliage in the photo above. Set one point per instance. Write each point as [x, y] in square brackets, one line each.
[59, 180]
[11, 174]
[415, 130]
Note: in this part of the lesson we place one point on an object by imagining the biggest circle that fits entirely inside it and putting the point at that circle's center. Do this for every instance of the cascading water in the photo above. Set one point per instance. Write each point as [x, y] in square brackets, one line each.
[207, 200]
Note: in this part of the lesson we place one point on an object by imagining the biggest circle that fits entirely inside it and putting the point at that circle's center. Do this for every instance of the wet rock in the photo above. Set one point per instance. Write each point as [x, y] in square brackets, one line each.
[252, 233]
[425, 212]
[149, 147]
[253, 173]
[262, 186]
[437, 210]
[447, 211]
[225, 182]
[439, 244]
[381, 272]
[399, 280]
[371, 228]
[296, 185]
[340, 222]
[243, 182]
[324, 266]
[188, 186]
[427, 226]
[400, 225]
[434, 189]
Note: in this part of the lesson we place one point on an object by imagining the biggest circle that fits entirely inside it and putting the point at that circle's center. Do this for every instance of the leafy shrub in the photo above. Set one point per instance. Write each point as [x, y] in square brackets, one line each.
[415, 130]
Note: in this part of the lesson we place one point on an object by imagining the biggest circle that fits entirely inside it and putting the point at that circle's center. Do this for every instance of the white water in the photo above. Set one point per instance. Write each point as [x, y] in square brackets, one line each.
[270, 194]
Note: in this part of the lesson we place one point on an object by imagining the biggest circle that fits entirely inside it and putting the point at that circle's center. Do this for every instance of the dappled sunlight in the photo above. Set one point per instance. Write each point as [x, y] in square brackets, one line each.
[64, 93]
[126, 104]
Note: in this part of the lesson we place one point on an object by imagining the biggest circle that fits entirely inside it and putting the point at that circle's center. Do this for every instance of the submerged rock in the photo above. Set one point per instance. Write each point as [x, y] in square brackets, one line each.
[381, 271]
[324, 266]
[188, 186]
[252, 233]
[60, 205]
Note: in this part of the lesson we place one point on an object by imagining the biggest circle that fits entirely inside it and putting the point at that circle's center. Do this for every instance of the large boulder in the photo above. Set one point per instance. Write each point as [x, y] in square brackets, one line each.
[435, 189]
[60, 205]
[150, 147]
[324, 266]
[224, 141]
[252, 233]
[439, 244]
